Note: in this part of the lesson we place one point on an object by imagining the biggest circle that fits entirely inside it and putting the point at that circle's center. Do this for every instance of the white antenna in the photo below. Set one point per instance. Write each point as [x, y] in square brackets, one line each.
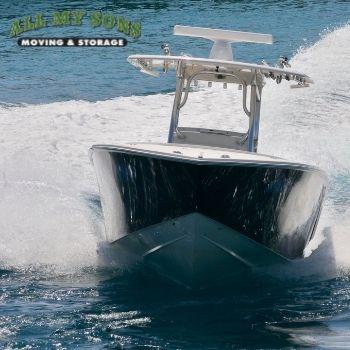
[222, 39]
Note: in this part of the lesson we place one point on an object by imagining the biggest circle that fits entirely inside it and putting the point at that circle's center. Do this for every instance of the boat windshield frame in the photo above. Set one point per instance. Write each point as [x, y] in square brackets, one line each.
[189, 68]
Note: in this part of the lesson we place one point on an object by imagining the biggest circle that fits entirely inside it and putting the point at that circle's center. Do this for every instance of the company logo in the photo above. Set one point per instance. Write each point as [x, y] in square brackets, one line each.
[96, 19]
[79, 42]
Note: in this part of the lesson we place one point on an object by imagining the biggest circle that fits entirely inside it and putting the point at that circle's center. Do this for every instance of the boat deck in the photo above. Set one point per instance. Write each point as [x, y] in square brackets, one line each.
[200, 153]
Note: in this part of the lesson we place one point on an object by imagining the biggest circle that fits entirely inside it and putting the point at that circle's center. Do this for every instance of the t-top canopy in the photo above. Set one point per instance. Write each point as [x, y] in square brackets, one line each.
[205, 69]
[220, 65]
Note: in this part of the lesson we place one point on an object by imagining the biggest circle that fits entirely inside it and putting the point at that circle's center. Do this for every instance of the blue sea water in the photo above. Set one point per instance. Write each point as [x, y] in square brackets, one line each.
[59, 288]
[45, 75]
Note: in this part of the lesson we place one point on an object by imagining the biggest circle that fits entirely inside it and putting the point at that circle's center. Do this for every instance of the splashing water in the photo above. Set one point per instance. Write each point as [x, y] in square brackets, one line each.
[312, 126]
[44, 219]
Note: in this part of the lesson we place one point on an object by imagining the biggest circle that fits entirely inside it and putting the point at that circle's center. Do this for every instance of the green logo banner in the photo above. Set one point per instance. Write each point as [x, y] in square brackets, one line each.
[96, 19]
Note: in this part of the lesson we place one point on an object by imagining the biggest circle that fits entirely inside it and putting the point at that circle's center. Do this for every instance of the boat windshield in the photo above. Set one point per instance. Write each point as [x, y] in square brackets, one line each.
[217, 106]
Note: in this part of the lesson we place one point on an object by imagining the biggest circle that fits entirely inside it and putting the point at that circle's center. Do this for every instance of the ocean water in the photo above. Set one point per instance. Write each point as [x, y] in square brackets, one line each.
[60, 288]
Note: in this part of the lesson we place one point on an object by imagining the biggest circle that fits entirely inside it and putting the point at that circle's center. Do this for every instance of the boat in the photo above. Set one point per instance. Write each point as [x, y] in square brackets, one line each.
[206, 207]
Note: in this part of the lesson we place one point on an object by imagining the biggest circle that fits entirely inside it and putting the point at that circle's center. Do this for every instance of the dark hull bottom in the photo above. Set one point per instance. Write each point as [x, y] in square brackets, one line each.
[196, 221]
[196, 252]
